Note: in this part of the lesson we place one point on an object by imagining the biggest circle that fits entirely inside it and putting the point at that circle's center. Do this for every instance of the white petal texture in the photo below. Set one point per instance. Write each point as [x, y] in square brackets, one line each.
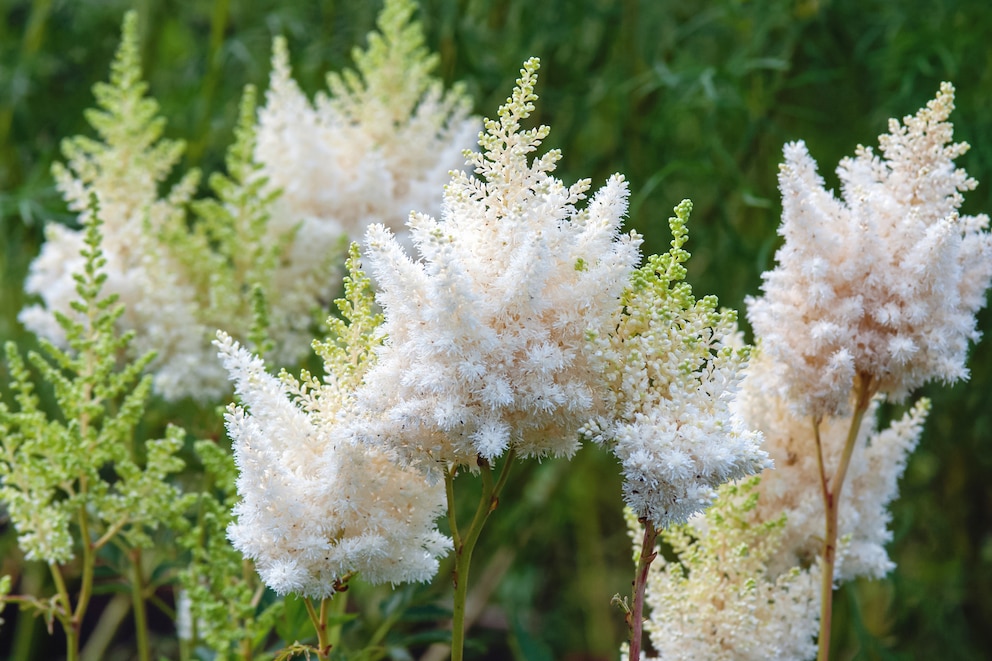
[378, 146]
[486, 332]
[317, 504]
[673, 371]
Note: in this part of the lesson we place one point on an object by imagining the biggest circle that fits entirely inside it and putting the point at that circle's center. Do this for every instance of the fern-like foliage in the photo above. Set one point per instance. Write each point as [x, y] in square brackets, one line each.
[78, 479]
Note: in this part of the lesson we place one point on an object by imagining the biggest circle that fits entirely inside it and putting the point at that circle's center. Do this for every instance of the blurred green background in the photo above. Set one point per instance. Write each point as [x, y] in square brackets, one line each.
[687, 99]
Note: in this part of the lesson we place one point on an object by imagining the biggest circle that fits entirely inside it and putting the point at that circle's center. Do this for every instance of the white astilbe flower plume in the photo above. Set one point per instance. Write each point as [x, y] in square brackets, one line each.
[379, 145]
[878, 461]
[123, 171]
[719, 600]
[883, 284]
[317, 503]
[672, 371]
[487, 331]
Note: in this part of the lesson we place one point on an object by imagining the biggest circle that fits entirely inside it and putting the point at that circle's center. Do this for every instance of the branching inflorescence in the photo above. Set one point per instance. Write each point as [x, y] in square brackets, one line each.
[510, 318]
[873, 295]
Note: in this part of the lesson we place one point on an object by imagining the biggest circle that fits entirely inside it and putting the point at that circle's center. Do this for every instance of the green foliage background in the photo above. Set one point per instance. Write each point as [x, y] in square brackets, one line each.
[687, 100]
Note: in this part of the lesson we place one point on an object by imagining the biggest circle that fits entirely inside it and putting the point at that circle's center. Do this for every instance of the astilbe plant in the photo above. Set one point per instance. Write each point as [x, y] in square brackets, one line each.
[485, 355]
[76, 483]
[672, 369]
[518, 326]
[376, 145]
[177, 284]
[873, 295]
[525, 325]
[486, 351]
[522, 326]
[124, 170]
[880, 288]
[391, 126]
[316, 504]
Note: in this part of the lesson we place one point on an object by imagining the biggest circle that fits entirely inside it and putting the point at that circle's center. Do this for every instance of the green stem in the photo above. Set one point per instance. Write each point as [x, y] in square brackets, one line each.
[636, 617]
[111, 533]
[85, 589]
[138, 604]
[65, 616]
[864, 390]
[465, 546]
[320, 626]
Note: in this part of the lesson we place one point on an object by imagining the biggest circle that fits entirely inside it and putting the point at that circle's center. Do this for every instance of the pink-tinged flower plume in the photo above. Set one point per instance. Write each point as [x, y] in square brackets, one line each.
[884, 283]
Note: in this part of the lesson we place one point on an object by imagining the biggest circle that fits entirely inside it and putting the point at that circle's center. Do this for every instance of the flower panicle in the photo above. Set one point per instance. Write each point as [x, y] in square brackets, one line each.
[673, 368]
[882, 284]
[485, 333]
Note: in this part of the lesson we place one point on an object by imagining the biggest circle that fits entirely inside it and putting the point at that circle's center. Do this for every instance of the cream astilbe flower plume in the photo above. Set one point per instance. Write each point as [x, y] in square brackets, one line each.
[318, 504]
[719, 600]
[487, 331]
[879, 459]
[672, 371]
[380, 144]
[883, 284]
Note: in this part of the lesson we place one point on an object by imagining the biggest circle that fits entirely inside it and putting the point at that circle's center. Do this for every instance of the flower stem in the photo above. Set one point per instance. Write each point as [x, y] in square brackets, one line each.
[635, 618]
[465, 545]
[66, 618]
[138, 604]
[864, 390]
[320, 626]
[75, 621]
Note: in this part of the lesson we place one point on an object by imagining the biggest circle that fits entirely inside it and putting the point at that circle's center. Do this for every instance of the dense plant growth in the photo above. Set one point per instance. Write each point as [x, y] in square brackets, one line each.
[501, 354]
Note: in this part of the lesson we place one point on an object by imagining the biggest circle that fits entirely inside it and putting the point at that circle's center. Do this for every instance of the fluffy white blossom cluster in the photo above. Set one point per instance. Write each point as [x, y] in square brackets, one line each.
[317, 502]
[720, 600]
[877, 463]
[876, 293]
[672, 371]
[300, 180]
[124, 171]
[873, 294]
[487, 332]
[379, 145]
[885, 282]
